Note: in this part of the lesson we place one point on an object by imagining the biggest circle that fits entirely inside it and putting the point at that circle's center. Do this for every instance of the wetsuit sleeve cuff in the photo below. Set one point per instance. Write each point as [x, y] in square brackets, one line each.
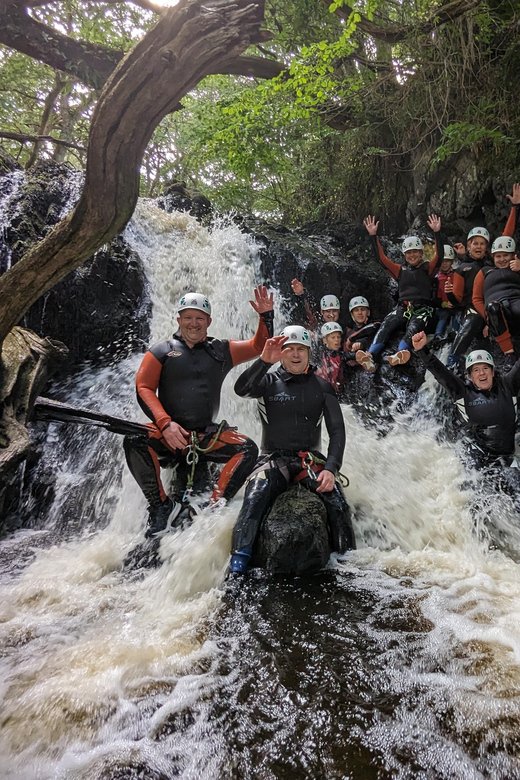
[163, 423]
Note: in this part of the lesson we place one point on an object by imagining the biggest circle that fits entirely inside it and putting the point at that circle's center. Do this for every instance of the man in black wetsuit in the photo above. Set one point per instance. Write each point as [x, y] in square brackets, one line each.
[486, 402]
[178, 387]
[292, 402]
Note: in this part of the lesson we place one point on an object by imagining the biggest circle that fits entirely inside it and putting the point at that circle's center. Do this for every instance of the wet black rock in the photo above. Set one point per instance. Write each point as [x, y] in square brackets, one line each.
[178, 197]
[294, 538]
[101, 310]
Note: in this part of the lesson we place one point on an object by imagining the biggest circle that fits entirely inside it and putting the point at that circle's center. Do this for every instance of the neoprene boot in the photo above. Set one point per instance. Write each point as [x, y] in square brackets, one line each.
[239, 563]
[158, 517]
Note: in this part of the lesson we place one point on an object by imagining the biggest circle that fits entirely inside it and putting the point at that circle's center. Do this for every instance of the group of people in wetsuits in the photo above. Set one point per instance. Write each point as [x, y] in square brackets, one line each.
[179, 381]
[178, 387]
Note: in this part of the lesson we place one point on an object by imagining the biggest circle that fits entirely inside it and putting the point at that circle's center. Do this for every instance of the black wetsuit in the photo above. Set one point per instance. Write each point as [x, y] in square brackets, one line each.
[291, 407]
[490, 415]
[182, 383]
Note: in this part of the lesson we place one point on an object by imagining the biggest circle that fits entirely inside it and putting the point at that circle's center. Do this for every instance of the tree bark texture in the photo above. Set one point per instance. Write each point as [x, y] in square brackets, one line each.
[190, 40]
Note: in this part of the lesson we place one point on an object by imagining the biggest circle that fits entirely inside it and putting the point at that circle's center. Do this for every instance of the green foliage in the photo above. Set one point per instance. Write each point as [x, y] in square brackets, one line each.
[374, 92]
[458, 136]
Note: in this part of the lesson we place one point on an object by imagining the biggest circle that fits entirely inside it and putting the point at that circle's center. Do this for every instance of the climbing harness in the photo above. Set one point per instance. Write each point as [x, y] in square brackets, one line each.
[192, 456]
[311, 467]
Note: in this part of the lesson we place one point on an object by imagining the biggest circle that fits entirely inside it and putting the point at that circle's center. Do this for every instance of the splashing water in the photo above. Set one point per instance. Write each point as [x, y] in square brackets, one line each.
[401, 661]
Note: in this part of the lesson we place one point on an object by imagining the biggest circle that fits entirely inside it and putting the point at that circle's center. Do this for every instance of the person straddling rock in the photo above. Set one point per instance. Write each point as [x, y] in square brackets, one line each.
[292, 401]
[178, 387]
[414, 311]
[486, 401]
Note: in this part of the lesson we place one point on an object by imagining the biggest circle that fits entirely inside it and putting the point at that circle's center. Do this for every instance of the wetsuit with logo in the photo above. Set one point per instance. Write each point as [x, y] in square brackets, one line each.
[490, 415]
[414, 311]
[179, 383]
[291, 408]
[496, 297]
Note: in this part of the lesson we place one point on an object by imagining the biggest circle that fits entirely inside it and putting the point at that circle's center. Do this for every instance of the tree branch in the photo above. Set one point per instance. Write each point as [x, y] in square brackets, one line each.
[391, 33]
[91, 63]
[190, 40]
[23, 138]
[86, 62]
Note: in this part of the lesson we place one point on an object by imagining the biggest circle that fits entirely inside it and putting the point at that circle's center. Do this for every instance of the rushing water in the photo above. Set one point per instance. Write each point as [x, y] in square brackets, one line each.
[401, 661]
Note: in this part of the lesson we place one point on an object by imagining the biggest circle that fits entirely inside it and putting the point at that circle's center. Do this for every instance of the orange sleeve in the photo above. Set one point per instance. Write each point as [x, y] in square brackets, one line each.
[458, 286]
[393, 268]
[146, 384]
[478, 295]
[510, 227]
[241, 351]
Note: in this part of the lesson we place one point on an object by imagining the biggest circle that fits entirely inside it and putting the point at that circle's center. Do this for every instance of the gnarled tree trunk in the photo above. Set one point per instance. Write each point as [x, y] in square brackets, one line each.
[191, 40]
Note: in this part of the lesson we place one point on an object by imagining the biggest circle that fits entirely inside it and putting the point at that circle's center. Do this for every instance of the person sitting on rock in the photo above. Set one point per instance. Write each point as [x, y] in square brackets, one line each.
[329, 308]
[292, 402]
[496, 294]
[414, 310]
[178, 387]
[446, 313]
[486, 401]
[331, 356]
[362, 329]
[460, 293]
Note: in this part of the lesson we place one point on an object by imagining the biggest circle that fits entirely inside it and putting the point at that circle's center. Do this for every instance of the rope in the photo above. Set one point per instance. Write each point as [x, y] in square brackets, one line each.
[309, 459]
[192, 456]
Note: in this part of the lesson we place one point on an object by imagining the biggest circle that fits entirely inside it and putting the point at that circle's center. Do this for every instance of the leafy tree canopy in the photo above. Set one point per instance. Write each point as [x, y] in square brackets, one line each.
[370, 93]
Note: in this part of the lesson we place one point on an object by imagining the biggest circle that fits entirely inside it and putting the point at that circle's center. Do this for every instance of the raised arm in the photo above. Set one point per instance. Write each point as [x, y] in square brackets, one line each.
[443, 375]
[512, 220]
[252, 382]
[371, 226]
[241, 351]
[434, 223]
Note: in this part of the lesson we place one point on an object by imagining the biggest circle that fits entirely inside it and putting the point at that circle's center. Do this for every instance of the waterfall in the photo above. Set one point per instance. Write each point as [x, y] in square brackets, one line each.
[403, 660]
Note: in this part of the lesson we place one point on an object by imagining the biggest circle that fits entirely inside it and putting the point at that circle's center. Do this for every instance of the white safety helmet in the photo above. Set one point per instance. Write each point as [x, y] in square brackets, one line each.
[329, 302]
[296, 334]
[479, 356]
[330, 327]
[412, 242]
[503, 244]
[478, 231]
[358, 301]
[195, 300]
[449, 252]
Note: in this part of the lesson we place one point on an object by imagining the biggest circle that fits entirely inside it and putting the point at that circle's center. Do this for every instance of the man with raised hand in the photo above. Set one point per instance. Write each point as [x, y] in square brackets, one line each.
[486, 401]
[178, 387]
[292, 402]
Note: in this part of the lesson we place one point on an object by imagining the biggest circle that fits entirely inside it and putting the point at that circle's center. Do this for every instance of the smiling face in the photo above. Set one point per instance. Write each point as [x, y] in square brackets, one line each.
[502, 259]
[360, 315]
[330, 315]
[481, 374]
[295, 358]
[446, 265]
[477, 247]
[414, 257]
[193, 325]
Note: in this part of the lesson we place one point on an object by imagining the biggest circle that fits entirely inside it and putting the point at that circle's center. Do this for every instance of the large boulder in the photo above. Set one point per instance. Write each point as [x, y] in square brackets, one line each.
[294, 537]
